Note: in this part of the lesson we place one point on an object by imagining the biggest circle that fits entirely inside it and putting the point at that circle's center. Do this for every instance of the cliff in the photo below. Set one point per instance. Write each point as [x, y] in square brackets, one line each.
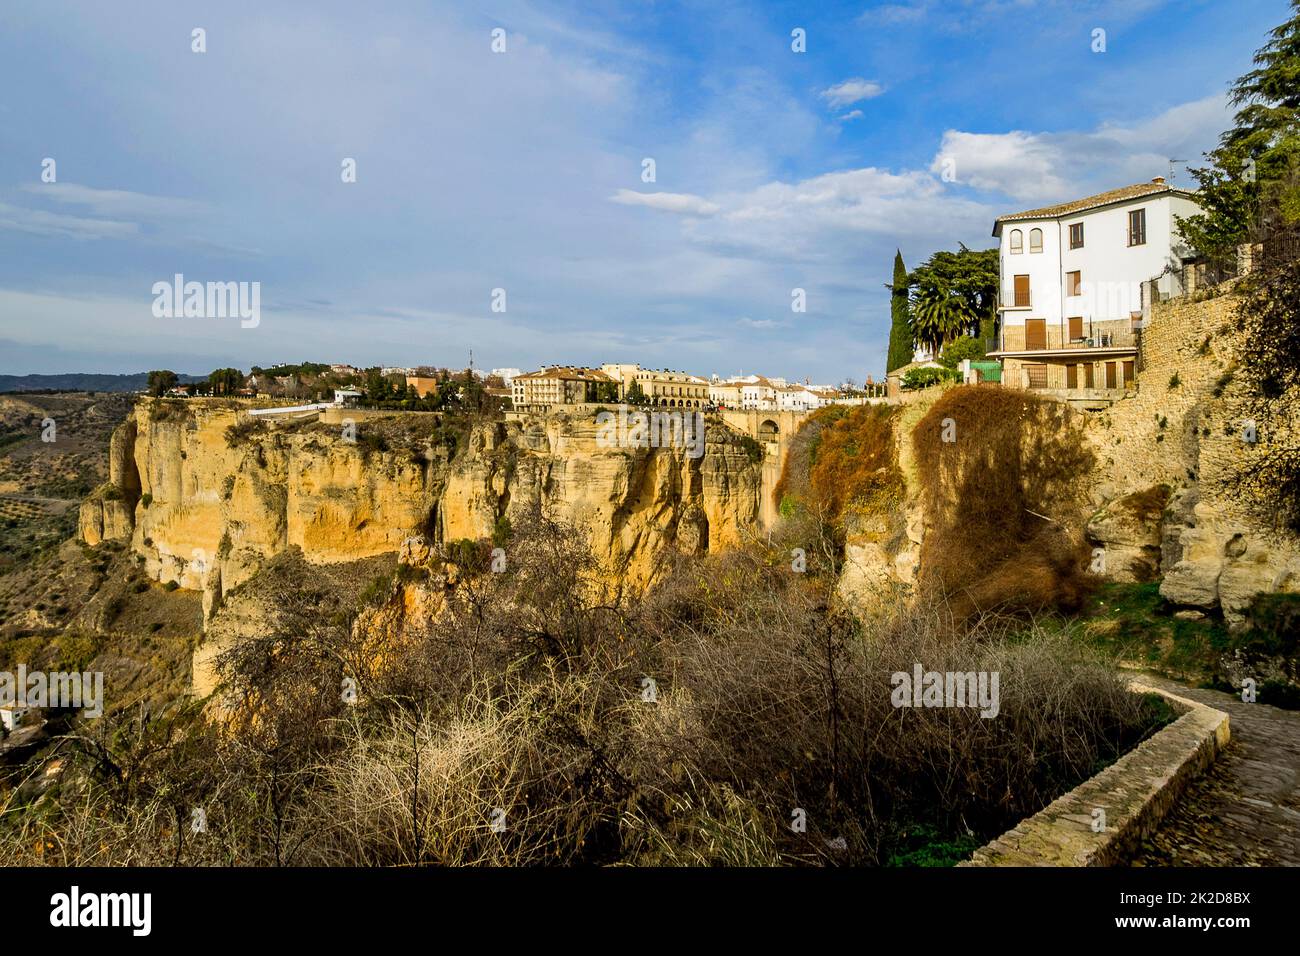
[1156, 499]
[1167, 505]
[208, 496]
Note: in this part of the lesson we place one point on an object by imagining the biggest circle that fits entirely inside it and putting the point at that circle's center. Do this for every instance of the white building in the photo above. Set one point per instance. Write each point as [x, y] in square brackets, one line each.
[798, 398]
[507, 374]
[1076, 279]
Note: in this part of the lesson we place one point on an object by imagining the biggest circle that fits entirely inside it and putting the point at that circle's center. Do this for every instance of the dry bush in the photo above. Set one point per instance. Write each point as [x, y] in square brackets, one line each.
[1003, 502]
[842, 465]
[530, 695]
[540, 755]
[781, 707]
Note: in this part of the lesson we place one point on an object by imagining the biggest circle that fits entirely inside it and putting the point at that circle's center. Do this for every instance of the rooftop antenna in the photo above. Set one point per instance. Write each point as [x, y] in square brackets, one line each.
[1172, 161]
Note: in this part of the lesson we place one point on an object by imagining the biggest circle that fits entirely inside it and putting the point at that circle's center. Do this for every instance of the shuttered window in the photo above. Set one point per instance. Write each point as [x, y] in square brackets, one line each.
[1022, 291]
[1035, 333]
[1076, 328]
[1072, 376]
[1137, 227]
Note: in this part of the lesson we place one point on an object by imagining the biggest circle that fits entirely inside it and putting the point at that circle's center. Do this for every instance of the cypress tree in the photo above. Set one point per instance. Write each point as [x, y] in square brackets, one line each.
[900, 331]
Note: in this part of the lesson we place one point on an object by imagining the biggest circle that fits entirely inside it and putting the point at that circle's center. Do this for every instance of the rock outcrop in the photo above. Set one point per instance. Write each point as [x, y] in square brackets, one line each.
[208, 496]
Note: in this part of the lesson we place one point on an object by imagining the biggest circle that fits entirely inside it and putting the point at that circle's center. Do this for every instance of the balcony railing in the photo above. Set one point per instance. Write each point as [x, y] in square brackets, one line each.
[1014, 299]
[1015, 339]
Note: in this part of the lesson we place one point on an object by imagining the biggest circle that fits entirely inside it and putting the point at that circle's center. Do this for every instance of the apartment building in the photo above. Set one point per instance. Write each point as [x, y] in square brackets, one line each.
[1076, 279]
[562, 385]
[660, 386]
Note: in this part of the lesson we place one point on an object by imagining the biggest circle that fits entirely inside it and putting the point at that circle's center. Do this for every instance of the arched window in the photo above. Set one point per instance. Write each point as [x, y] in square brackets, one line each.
[1035, 240]
[1017, 242]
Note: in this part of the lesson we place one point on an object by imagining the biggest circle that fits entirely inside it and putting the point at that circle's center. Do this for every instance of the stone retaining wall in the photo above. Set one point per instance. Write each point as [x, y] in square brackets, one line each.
[1134, 793]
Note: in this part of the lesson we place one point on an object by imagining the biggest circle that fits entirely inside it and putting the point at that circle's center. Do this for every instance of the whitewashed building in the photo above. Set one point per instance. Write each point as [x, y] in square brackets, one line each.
[1075, 282]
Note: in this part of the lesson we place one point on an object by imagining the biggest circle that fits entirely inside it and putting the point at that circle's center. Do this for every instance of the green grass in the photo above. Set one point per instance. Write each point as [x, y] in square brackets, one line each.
[1133, 622]
[923, 844]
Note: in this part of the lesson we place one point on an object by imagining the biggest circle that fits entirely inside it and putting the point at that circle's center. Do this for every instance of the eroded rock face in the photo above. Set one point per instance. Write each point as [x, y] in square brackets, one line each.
[1128, 530]
[1225, 564]
[882, 555]
[218, 497]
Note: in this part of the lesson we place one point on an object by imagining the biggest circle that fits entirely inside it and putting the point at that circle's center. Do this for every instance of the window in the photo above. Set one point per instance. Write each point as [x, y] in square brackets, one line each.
[1074, 283]
[1017, 242]
[1076, 236]
[1035, 240]
[1035, 333]
[1037, 375]
[1022, 292]
[1076, 328]
[1128, 374]
[1072, 376]
[1087, 376]
[1137, 227]
[1110, 375]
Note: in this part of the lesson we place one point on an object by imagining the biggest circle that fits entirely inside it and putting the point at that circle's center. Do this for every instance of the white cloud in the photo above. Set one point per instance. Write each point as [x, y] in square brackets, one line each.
[1056, 166]
[851, 115]
[682, 203]
[115, 202]
[41, 223]
[852, 91]
[758, 323]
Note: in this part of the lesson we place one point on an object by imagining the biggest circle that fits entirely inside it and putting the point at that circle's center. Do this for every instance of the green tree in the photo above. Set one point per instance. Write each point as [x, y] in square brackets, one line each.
[953, 294]
[966, 347]
[1252, 184]
[900, 328]
[225, 381]
[635, 395]
[161, 380]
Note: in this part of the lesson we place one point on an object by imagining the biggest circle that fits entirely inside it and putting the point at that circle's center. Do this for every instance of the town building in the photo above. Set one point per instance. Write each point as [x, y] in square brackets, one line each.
[424, 385]
[1077, 279]
[562, 385]
[507, 375]
[660, 386]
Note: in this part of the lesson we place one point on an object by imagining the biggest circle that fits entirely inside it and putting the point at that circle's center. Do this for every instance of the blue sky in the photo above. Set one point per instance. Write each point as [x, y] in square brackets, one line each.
[522, 170]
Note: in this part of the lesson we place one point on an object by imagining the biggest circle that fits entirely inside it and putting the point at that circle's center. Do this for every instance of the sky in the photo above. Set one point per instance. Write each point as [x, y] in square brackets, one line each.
[904, 125]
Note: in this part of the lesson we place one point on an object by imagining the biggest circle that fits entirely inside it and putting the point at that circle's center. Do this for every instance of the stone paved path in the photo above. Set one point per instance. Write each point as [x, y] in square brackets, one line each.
[1245, 810]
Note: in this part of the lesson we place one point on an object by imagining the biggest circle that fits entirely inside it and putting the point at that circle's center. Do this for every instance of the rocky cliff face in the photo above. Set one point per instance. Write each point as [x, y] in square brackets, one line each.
[1161, 505]
[1182, 435]
[208, 497]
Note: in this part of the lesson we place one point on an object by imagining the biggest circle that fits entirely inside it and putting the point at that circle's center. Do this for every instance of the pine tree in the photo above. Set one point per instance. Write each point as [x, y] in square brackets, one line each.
[1252, 186]
[900, 329]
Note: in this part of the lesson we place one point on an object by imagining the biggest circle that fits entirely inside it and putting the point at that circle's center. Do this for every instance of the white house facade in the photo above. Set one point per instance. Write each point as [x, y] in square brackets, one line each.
[1076, 280]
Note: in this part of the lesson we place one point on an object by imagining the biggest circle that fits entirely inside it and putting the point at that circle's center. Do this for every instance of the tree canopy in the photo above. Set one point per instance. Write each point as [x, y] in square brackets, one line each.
[1251, 186]
[952, 294]
[160, 380]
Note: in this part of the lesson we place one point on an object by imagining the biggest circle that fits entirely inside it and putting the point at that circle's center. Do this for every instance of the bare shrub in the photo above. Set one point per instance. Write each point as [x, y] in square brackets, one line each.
[1003, 502]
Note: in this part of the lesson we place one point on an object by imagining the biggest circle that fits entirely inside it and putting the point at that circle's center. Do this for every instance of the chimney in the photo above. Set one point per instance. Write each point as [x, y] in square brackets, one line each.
[1159, 180]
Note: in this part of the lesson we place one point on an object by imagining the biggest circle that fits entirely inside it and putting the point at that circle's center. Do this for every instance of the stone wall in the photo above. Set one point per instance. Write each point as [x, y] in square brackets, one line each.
[1134, 794]
[1182, 428]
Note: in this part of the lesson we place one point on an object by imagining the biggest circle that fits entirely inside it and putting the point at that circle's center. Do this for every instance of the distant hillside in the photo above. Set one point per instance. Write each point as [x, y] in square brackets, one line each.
[80, 382]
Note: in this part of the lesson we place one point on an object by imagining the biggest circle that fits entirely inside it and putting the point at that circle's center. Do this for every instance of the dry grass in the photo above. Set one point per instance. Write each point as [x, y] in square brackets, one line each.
[530, 696]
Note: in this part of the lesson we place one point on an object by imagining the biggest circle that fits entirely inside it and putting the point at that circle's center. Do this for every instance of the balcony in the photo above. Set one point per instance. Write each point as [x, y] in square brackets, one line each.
[1014, 299]
[1098, 338]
